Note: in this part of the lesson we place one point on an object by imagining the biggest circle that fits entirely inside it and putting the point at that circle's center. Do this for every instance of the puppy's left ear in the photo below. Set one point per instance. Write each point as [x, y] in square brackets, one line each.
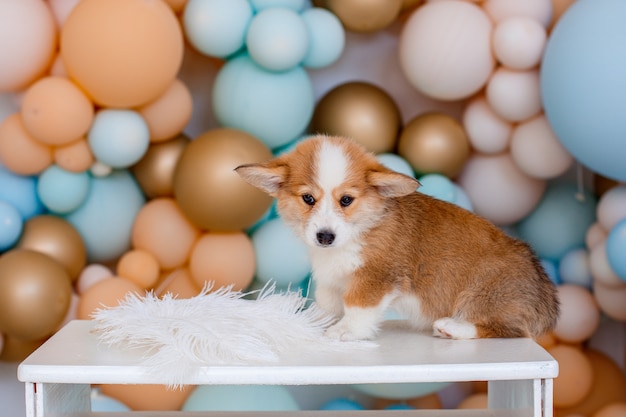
[392, 184]
[267, 177]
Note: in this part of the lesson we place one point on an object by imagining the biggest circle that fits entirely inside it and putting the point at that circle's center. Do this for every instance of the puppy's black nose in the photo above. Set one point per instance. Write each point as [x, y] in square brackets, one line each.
[325, 237]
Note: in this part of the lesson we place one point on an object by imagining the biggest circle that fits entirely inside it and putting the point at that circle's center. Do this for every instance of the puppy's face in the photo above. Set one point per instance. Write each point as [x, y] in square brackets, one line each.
[329, 190]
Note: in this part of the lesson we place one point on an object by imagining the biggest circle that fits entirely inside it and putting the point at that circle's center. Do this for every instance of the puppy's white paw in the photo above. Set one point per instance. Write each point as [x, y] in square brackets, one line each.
[346, 331]
[450, 328]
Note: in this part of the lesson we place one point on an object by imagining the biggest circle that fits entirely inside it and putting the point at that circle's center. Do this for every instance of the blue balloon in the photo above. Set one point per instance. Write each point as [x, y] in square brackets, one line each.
[296, 5]
[551, 270]
[399, 406]
[62, 191]
[276, 107]
[461, 198]
[402, 391]
[583, 84]
[21, 192]
[327, 37]
[11, 225]
[102, 403]
[559, 222]
[574, 268]
[438, 186]
[342, 404]
[106, 217]
[616, 249]
[240, 398]
[396, 163]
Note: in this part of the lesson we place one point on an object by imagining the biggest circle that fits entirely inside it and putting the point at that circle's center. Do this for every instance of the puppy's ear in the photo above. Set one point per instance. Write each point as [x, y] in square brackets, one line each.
[392, 184]
[267, 177]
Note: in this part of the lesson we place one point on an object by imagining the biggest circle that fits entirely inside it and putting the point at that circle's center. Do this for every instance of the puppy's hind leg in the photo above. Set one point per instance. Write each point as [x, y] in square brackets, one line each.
[453, 328]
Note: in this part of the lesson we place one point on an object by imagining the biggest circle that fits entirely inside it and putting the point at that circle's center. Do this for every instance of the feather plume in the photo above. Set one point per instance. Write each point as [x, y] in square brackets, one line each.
[218, 327]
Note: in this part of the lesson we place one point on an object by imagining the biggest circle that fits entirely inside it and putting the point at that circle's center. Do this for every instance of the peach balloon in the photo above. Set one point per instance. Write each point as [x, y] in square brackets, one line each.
[487, 132]
[162, 229]
[57, 69]
[617, 409]
[540, 10]
[90, 275]
[474, 401]
[56, 112]
[140, 267]
[537, 151]
[19, 151]
[600, 268]
[580, 315]
[595, 235]
[612, 300]
[28, 40]
[575, 378]
[74, 157]
[124, 53]
[518, 42]
[498, 189]
[169, 114]
[177, 5]
[445, 49]
[71, 311]
[514, 95]
[106, 293]
[223, 259]
[178, 283]
[148, 397]
[611, 207]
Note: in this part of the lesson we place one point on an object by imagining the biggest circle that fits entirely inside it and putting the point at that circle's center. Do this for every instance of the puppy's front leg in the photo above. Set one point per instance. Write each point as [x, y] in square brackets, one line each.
[360, 322]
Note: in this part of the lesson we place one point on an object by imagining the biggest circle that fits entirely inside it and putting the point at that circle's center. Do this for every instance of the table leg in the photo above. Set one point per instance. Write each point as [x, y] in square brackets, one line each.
[50, 399]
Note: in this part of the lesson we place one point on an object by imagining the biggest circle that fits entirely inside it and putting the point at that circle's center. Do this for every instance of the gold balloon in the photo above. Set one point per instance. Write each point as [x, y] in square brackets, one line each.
[35, 294]
[209, 191]
[434, 143]
[361, 111]
[16, 350]
[55, 237]
[155, 171]
[365, 15]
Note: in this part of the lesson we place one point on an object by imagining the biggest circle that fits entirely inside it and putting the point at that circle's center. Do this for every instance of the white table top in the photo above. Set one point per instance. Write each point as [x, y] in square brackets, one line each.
[74, 355]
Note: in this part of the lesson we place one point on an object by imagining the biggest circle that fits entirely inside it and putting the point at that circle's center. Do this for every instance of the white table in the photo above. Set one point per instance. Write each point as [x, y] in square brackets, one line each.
[58, 375]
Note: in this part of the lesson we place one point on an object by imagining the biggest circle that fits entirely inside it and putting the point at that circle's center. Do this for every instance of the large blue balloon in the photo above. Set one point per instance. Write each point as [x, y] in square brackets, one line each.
[240, 398]
[583, 84]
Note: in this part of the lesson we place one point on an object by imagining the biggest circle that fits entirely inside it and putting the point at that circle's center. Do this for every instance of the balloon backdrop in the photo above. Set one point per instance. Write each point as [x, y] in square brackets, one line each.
[365, 16]
[19, 151]
[240, 398]
[575, 379]
[11, 225]
[168, 115]
[62, 191]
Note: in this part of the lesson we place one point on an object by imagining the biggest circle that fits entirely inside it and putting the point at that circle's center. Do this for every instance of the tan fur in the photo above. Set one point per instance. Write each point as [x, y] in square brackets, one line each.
[454, 262]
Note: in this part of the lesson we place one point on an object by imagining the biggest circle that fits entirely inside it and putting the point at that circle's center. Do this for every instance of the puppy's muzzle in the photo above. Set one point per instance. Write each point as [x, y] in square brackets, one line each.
[325, 237]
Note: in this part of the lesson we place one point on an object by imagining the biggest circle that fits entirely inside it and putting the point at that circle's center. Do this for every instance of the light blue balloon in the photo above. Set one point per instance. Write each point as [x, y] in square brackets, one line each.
[295, 5]
[396, 163]
[280, 256]
[21, 192]
[574, 268]
[11, 225]
[217, 27]
[616, 249]
[583, 84]
[551, 270]
[559, 222]
[118, 138]
[62, 191]
[103, 403]
[240, 398]
[461, 198]
[277, 39]
[402, 391]
[106, 217]
[327, 37]
[341, 404]
[399, 406]
[438, 186]
[274, 107]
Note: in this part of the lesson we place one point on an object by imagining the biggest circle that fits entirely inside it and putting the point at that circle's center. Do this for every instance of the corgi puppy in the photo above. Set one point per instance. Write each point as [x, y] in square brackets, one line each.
[375, 242]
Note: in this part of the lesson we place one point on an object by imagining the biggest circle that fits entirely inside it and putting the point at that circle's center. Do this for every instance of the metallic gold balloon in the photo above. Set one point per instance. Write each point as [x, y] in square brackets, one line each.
[155, 171]
[365, 15]
[434, 143]
[16, 350]
[361, 111]
[35, 294]
[55, 237]
[209, 191]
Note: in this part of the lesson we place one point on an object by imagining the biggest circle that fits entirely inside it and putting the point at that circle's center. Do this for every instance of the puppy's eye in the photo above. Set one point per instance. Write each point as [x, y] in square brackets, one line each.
[308, 199]
[346, 200]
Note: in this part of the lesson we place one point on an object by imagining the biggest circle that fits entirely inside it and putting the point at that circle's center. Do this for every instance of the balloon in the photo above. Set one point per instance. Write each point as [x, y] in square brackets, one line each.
[616, 249]
[370, 16]
[55, 111]
[341, 404]
[240, 398]
[400, 391]
[434, 143]
[168, 115]
[560, 221]
[498, 189]
[101, 403]
[108, 292]
[35, 293]
[207, 188]
[445, 49]
[326, 37]
[515, 96]
[223, 259]
[275, 107]
[55, 237]
[281, 257]
[19, 151]
[574, 268]
[162, 229]
[612, 207]
[27, 44]
[91, 274]
[277, 39]
[106, 217]
[476, 401]
[575, 379]
[617, 409]
[118, 138]
[396, 162]
[21, 192]
[580, 315]
[142, 397]
[600, 268]
[518, 42]
[62, 191]
[361, 111]
[539, 10]
[296, 5]
[595, 235]
[438, 186]
[178, 283]
[75, 157]
[16, 350]
[585, 44]
[123, 53]
[155, 171]
[487, 132]
[11, 225]
[611, 300]
[140, 267]
[217, 28]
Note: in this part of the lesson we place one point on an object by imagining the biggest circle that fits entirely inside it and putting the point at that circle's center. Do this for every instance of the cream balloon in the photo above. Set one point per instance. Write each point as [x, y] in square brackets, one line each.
[514, 95]
[518, 42]
[487, 132]
[600, 268]
[580, 315]
[540, 10]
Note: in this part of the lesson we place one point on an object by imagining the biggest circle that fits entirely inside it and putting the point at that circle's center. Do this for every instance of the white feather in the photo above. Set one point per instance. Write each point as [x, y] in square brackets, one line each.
[176, 336]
